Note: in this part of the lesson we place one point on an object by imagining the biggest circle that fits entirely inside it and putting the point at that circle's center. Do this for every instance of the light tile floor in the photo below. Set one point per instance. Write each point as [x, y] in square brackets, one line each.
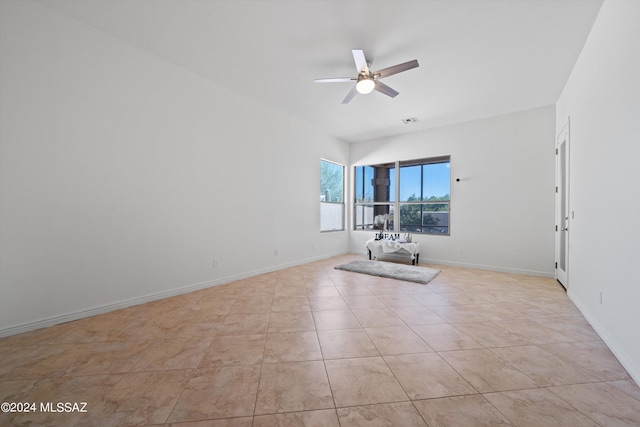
[315, 346]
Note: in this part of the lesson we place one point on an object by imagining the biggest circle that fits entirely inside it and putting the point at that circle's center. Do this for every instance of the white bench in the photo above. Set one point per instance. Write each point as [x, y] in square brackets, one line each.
[387, 246]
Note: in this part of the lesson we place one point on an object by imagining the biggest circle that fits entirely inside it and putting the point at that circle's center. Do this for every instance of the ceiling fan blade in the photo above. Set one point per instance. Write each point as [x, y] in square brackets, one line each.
[336, 80]
[350, 95]
[381, 87]
[390, 71]
[361, 62]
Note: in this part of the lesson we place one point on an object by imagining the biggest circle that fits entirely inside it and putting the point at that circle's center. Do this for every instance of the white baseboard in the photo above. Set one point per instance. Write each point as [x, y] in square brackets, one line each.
[56, 320]
[632, 369]
[482, 267]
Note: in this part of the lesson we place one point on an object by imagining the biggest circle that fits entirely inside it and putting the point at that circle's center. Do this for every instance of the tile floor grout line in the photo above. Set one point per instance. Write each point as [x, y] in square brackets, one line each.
[572, 405]
[264, 350]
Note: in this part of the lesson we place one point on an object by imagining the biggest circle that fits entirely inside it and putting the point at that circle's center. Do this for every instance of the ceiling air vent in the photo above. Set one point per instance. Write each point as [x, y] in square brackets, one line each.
[410, 120]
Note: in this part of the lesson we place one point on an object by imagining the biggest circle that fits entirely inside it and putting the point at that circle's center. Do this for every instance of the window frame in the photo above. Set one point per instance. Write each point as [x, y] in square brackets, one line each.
[342, 203]
[395, 206]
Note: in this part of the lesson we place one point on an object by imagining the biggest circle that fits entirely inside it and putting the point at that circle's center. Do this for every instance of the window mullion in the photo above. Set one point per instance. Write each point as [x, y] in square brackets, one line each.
[363, 186]
[396, 202]
[421, 197]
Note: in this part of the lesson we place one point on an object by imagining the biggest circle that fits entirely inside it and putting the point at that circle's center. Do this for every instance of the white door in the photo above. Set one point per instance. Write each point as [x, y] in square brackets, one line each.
[562, 206]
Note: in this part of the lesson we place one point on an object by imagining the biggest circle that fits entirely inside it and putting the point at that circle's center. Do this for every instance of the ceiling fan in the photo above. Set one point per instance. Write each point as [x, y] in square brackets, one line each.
[368, 80]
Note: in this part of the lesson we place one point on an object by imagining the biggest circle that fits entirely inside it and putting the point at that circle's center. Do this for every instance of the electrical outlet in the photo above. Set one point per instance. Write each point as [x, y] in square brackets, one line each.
[275, 252]
[214, 263]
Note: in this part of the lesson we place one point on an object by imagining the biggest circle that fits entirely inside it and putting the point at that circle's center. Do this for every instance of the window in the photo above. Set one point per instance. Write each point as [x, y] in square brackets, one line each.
[410, 196]
[331, 196]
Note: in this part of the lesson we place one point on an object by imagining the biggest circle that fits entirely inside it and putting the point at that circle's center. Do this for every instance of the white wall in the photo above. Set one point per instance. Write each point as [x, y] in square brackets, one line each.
[123, 176]
[602, 99]
[502, 210]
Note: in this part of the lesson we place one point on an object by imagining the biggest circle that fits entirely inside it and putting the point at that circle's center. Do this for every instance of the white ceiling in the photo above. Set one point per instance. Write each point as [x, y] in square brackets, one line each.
[478, 58]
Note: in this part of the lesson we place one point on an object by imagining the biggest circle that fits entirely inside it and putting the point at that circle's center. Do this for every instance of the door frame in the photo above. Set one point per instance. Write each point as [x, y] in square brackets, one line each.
[562, 206]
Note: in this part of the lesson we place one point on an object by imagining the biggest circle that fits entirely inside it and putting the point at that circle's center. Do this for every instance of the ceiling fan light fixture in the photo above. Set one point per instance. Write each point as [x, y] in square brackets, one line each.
[365, 85]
